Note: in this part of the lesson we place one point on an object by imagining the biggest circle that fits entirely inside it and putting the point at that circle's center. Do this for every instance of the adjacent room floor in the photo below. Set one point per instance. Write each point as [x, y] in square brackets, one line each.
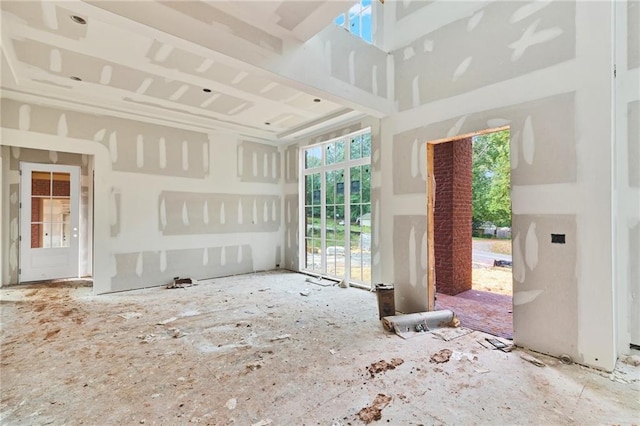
[253, 350]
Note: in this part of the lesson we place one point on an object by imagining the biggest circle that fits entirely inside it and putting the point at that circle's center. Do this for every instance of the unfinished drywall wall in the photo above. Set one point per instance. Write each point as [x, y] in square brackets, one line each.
[542, 68]
[258, 162]
[162, 195]
[134, 146]
[626, 183]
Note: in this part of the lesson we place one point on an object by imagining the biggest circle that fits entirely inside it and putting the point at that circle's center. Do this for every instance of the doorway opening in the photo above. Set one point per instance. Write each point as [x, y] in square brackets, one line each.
[469, 209]
[335, 193]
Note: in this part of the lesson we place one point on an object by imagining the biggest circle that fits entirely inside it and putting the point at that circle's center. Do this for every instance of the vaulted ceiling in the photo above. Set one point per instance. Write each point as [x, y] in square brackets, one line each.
[107, 56]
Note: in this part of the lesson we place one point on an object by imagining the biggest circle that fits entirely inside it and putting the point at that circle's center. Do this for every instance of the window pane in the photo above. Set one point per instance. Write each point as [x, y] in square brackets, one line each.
[308, 183]
[355, 151]
[330, 153]
[365, 26]
[365, 184]
[313, 157]
[354, 25]
[366, 145]
[339, 151]
[330, 187]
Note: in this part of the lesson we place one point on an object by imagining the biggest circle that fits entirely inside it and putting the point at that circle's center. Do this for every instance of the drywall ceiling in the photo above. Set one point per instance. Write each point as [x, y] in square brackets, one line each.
[113, 62]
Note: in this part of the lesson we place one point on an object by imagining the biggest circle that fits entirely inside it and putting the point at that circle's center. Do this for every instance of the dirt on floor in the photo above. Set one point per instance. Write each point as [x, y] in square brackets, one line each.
[251, 350]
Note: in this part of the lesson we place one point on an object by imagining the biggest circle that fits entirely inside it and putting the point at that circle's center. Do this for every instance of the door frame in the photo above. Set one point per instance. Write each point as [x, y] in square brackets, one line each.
[25, 191]
[431, 200]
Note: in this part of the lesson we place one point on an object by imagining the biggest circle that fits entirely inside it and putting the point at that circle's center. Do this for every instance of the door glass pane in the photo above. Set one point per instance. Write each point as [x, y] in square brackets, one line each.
[40, 183]
[61, 184]
[40, 209]
[36, 235]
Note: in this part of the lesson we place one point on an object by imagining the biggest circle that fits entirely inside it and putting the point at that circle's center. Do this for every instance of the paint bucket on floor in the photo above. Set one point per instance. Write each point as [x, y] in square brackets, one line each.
[386, 300]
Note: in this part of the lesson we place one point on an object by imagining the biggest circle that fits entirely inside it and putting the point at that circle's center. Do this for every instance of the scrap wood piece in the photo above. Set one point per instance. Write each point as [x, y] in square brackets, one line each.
[498, 344]
[533, 360]
[181, 283]
[323, 282]
[448, 333]
[441, 356]
[382, 366]
[374, 411]
[281, 337]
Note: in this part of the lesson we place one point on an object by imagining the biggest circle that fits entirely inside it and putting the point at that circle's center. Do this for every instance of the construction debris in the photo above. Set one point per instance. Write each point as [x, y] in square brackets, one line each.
[410, 325]
[323, 282]
[374, 411]
[633, 360]
[167, 321]
[254, 366]
[176, 333]
[147, 338]
[441, 356]
[532, 360]
[231, 404]
[181, 283]
[498, 344]
[382, 366]
[129, 315]
[458, 356]
[502, 263]
[448, 334]
[281, 337]
[305, 292]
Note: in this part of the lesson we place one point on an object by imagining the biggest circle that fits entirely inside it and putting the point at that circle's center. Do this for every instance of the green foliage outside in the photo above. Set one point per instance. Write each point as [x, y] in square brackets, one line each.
[491, 179]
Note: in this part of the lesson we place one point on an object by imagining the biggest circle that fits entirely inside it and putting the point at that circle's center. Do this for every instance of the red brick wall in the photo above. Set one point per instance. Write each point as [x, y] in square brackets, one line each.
[452, 216]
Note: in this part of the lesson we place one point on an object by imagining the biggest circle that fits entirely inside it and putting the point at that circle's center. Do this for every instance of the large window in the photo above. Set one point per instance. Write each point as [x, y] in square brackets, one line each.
[358, 20]
[336, 195]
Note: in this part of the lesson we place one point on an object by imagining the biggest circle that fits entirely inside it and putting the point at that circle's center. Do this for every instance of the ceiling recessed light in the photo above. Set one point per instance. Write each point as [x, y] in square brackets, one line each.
[78, 19]
[317, 100]
[74, 78]
[267, 123]
[206, 90]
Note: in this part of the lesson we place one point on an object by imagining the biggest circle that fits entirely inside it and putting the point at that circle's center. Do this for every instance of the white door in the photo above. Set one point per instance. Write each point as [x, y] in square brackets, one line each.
[48, 221]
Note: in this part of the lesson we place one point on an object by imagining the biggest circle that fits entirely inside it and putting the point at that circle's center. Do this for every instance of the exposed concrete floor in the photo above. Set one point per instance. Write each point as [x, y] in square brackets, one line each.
[69, 358]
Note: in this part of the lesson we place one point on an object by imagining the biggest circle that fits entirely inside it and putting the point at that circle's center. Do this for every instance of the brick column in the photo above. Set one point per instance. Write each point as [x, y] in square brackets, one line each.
[453, 213]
